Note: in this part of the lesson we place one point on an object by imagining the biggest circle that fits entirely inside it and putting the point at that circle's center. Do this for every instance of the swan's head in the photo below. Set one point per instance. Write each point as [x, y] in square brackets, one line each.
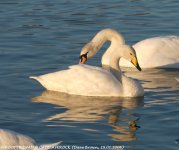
[88, 51]
[129, 54]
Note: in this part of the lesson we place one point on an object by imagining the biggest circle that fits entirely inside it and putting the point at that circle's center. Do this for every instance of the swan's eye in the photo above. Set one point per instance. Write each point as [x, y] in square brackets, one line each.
[130, 53]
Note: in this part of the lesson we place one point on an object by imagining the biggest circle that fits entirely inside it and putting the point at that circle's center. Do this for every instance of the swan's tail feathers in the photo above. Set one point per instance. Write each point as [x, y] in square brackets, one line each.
[33, 77]
[37, 78]
[48, 146]
[177, 79]
[40, 80]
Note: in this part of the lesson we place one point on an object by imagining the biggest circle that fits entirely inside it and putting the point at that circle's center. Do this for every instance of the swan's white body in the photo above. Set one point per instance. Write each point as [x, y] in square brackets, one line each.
[157, 52]
[95, 81]
[11, 140]
[90, 81]
[177, 79]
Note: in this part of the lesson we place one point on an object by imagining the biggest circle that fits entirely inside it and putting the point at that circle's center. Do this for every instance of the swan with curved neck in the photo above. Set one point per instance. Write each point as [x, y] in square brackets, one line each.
[157, 52]
[91, 48]
[95, 81]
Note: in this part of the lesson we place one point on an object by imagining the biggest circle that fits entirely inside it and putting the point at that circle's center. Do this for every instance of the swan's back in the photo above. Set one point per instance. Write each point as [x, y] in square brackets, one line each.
[157, 52]
[167, 46]
[82, 80]
[11, 138]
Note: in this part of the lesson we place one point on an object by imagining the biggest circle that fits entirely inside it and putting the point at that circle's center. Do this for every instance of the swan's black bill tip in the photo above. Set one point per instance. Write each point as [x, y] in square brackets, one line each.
[138, 67]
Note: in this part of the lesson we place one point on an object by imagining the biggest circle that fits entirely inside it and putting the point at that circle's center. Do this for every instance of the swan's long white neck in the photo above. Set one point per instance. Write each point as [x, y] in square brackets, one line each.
[114, 66]
[107, 35]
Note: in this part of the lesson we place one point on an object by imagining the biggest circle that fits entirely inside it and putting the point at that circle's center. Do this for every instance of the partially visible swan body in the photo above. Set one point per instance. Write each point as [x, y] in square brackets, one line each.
[13, 140]
[95, 81]
[177, 79]
[157, 52]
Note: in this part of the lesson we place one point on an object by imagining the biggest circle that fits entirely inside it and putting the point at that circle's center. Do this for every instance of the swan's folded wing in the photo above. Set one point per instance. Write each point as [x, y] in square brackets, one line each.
[82, 80]
[92, 80]
[10, 138]
[83, 66]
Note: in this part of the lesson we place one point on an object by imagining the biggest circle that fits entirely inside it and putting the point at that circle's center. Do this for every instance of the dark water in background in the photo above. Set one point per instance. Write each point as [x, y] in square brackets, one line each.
[41, 36]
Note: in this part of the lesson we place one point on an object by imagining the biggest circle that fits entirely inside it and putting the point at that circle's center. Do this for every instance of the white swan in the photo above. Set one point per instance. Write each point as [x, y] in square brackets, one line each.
[13, 140]
[177, 79]
[157, 52]
[95, 81]
[161, 52]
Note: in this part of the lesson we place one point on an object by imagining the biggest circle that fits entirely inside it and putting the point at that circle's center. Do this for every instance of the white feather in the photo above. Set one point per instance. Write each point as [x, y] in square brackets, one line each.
[10, 139]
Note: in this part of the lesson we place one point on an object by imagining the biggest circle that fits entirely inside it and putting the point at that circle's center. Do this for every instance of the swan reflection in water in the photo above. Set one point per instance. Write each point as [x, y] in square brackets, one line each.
[161, 87]
[93, 109]
[159, 80]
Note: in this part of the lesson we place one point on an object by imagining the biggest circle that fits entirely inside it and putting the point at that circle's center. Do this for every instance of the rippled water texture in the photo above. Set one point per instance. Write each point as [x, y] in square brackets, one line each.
[41, 36]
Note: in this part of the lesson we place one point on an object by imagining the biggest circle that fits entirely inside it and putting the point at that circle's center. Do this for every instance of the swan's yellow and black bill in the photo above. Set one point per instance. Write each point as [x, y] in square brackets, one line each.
[135, 63]
[83, 58]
